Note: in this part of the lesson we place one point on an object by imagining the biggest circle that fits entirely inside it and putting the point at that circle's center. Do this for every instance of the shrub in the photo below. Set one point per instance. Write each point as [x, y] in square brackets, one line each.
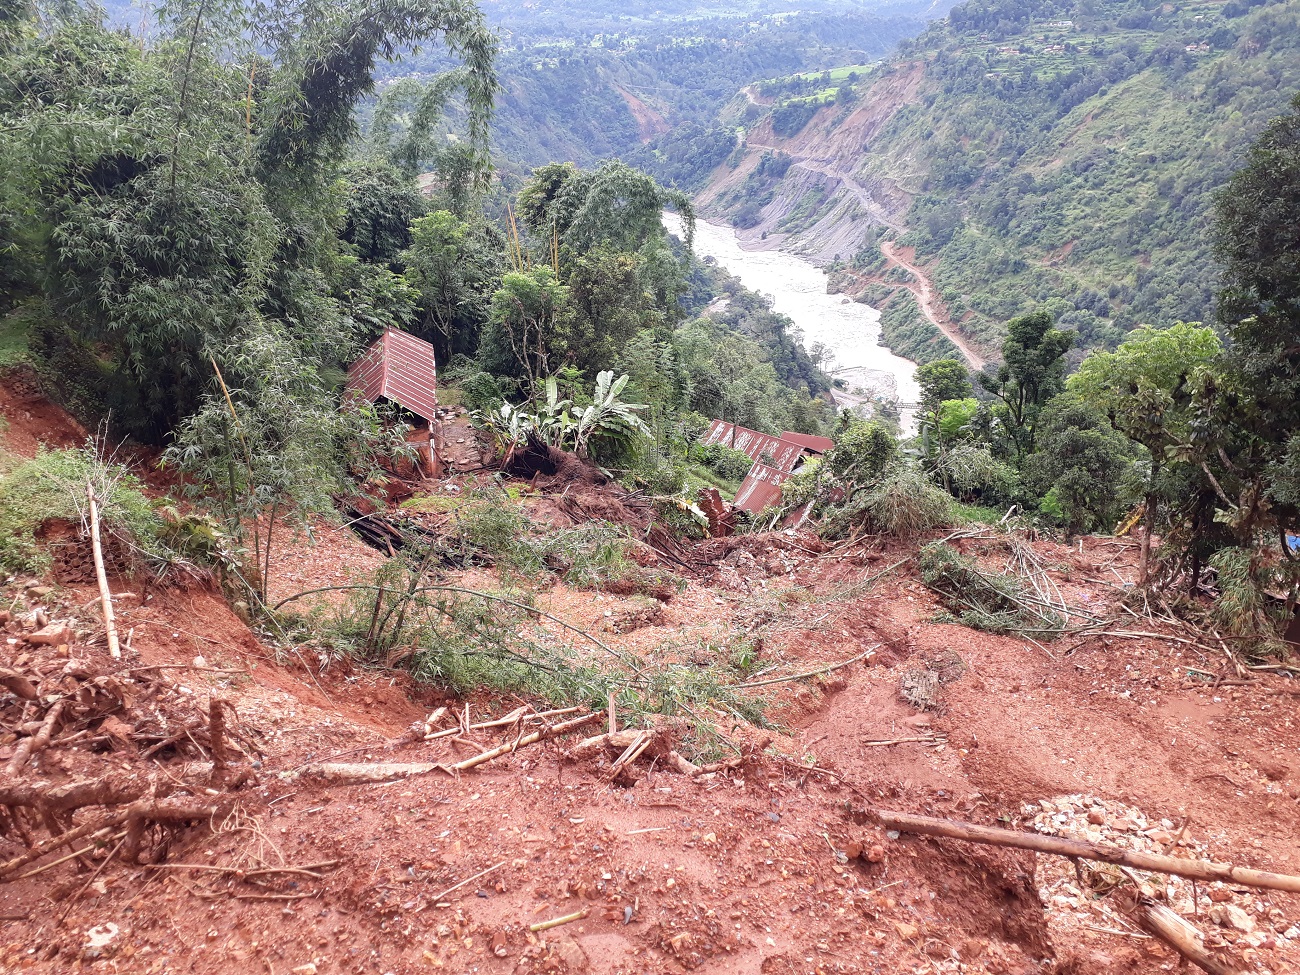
[726, 462]
[904, 502]
[862, 453]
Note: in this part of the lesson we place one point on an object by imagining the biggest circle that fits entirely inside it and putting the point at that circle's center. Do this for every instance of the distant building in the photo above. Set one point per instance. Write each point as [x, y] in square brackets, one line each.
[775, 459]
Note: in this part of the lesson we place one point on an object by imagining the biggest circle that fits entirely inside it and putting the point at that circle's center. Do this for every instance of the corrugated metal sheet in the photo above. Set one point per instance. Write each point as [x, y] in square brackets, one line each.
[761, 487]
[755, 444]
[397, 367]
[808, 441]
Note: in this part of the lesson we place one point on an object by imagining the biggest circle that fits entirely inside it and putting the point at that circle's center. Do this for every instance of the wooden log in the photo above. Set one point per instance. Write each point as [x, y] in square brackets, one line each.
[105, 596]
[1078, 849]
[35, 743]
[114, 789]
[1171, 929]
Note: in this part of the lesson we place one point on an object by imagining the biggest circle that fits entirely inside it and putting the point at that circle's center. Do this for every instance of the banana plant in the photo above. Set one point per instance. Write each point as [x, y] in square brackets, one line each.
[609, 417]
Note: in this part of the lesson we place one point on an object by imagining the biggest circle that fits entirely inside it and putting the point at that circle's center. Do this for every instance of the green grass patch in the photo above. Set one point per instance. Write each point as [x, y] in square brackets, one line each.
[53, 486]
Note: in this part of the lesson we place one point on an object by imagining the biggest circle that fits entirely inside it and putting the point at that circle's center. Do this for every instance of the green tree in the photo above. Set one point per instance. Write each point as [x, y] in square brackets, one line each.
[1080, 466]
[614, 205]
[1147, 389]
[1258, 241]
[530, 321]
[451, 265]
[1031, 373]
[941, 380]
[380, 203]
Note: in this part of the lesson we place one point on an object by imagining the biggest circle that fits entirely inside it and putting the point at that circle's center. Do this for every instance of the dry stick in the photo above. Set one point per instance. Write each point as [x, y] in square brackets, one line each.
[71, 856]
[306, 871]
[812, 673]
[98, 870]
[556, 922]
[470, 880]
[63, 839]
[510, 746]
[30, 746]
[1078, 849]
[931, 740]
[105, 597]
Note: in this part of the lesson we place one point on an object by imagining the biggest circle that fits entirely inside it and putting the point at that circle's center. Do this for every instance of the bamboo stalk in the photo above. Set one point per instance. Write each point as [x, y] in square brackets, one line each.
[1172, 930]
[105, 596]
[1078, 849]
[510, 746]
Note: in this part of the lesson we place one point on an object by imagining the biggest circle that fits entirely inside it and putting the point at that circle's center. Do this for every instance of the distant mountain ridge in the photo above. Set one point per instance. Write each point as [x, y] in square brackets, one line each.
[1064, 153]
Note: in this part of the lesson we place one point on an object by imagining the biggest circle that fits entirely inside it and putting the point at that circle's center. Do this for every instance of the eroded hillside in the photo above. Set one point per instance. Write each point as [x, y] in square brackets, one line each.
[248, 802]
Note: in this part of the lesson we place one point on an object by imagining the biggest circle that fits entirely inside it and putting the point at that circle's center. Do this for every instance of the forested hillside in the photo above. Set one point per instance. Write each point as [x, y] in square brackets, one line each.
[1060, 153]
[587, 83]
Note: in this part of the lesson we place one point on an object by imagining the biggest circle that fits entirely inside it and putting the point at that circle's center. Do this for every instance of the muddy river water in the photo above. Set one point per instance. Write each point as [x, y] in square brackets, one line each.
[851, 331]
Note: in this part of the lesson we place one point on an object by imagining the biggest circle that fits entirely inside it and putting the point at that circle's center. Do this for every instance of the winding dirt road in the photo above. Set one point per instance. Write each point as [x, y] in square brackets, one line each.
[924, 292]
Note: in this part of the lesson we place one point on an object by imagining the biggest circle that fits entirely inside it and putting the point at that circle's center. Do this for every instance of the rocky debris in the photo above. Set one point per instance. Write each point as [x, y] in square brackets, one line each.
[1078, 899]
[649, 614]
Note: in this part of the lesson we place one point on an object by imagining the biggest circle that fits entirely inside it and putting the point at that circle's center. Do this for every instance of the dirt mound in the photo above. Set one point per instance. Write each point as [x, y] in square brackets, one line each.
[548, 859]
[30, 419]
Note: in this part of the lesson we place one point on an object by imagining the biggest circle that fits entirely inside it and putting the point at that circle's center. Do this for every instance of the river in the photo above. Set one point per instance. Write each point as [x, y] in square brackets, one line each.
[849, 330]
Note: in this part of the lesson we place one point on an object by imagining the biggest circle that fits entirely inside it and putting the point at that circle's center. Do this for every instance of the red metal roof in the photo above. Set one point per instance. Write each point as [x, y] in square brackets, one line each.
[785, 453]
[818, 445]
[397, 367]
[761, 487]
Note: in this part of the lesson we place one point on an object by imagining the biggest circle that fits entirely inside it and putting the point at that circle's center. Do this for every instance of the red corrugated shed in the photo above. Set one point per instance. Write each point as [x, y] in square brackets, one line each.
[761, 487]
[398, 367]
[818, 445]
[755, 444]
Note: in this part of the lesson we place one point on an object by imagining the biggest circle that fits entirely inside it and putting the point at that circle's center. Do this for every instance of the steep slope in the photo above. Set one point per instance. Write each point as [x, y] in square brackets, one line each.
[1065, 153]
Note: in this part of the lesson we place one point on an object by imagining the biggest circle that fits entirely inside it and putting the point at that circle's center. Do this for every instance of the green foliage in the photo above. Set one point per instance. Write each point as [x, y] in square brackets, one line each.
[941, 380]
[15, 331]
[451, 264]
[790, 119]
[1258, 239]
[1032, 371]
[984, 601]
[52, 486]
[608, 427]
[171, 194]
[380, 204]
[1241, 606]
[906, 331]
[276, 446]
[862, 452]
[1083, 469]
[902, 502]
[725, 461]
